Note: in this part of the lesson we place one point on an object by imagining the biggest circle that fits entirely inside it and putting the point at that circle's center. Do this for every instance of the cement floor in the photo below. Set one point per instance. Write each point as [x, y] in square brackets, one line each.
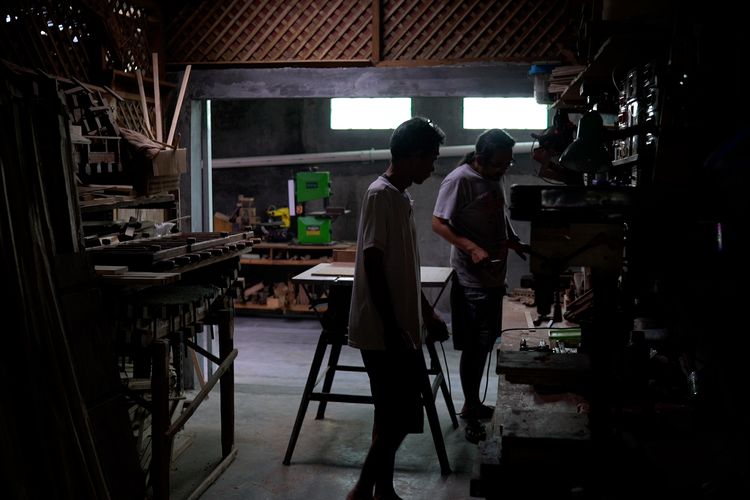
[270, 372]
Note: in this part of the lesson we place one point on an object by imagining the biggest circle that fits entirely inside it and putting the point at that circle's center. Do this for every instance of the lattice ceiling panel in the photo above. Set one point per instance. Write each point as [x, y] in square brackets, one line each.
[267, 31]
[127, 26]
[506, 30]
[304, 31]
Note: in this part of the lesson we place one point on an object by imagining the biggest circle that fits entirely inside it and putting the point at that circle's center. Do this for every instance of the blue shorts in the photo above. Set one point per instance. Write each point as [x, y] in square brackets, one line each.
[476, 316]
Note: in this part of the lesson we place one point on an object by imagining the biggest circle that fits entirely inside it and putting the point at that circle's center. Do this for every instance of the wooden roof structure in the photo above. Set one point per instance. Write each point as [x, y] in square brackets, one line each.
[365, 32]
[102, 41]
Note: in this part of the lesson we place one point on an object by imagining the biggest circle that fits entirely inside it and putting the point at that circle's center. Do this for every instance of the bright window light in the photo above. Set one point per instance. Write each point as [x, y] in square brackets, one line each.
[516, 113]
[369, 113]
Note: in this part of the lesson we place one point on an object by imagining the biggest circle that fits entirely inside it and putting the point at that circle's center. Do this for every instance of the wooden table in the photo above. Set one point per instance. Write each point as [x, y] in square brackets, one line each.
[339, 276]
[163, 318]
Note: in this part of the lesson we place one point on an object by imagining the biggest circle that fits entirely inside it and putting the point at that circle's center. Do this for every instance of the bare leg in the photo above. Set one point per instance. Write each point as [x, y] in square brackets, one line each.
[366, 482]
[471, 369]
[377, 471]
[384, 481]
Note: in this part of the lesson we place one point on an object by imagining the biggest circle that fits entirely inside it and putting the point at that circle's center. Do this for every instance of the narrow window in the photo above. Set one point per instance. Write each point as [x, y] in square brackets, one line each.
[516, 113]
[369, 113]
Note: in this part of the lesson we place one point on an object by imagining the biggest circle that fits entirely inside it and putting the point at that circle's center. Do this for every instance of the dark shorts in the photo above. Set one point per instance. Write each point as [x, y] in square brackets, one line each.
[476, 316]
[395, 386]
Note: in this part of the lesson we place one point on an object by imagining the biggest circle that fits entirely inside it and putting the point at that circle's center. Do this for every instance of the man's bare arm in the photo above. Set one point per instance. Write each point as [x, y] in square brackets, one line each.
[443, 229]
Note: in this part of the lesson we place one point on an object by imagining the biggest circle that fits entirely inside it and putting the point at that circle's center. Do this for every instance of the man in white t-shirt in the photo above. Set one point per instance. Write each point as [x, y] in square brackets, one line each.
[388, 308]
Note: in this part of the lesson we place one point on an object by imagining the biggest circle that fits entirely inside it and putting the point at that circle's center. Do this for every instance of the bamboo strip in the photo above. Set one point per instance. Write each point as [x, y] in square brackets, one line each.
[180, 97]
[157, 97]
[144, 109]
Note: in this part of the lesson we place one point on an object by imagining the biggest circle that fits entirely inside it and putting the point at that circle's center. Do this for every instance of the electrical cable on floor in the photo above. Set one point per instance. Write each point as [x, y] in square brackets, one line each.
[487, 377]
[447, 370]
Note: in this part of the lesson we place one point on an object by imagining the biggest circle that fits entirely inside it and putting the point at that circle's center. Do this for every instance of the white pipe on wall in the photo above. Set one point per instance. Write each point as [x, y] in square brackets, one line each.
[366, 155]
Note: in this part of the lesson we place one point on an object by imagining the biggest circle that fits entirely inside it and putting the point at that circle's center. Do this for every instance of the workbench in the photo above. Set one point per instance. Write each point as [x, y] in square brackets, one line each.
[157, 316]
[541, 422]
[338, 277]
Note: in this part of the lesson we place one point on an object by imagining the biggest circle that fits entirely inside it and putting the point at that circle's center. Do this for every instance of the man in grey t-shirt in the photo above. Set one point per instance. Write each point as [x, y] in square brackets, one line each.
[470, 214]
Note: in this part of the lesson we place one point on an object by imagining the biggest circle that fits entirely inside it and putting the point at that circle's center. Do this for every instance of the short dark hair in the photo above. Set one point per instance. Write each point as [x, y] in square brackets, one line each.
[414, 136]
[489, 142]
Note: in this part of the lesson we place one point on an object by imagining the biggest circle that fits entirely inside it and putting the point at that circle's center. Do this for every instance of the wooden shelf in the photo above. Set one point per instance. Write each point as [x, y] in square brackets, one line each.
[617, 53]
[269, 269]
[256, 307]
[304, 308]
[292, 308]
[112, 202]
[280, 262]
[293, 246]
[623, 162]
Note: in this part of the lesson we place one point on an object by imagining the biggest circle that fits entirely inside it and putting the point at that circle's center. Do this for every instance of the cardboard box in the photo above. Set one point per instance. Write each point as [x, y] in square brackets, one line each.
[222, 223]
[345, 255]
[161, 184]
[170, 162]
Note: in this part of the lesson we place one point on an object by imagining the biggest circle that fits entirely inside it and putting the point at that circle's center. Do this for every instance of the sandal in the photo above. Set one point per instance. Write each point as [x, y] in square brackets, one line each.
[475, 432]
[482, 412]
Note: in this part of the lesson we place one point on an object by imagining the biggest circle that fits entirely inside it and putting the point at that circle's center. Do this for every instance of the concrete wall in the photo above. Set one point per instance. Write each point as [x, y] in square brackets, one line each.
[287, 111]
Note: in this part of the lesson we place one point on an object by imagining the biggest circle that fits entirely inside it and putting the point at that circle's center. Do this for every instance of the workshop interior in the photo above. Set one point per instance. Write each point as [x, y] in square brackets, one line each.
[176, 196]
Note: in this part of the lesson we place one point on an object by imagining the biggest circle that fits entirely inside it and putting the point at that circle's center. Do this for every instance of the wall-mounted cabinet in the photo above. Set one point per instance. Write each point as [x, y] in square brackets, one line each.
[624, 79]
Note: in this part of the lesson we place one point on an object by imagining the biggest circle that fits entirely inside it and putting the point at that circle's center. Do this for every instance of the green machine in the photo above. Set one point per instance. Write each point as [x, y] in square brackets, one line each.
[314, 227]
[310, 186]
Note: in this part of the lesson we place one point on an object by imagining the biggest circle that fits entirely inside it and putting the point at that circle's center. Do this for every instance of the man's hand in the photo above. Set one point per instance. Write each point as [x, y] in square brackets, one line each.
[519, 247]
[437, 330]
[478, 254]
[398, 339]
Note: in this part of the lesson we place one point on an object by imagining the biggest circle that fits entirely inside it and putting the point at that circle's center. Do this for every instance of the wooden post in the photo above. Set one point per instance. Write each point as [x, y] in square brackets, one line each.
[225, 320]
[376, 29]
